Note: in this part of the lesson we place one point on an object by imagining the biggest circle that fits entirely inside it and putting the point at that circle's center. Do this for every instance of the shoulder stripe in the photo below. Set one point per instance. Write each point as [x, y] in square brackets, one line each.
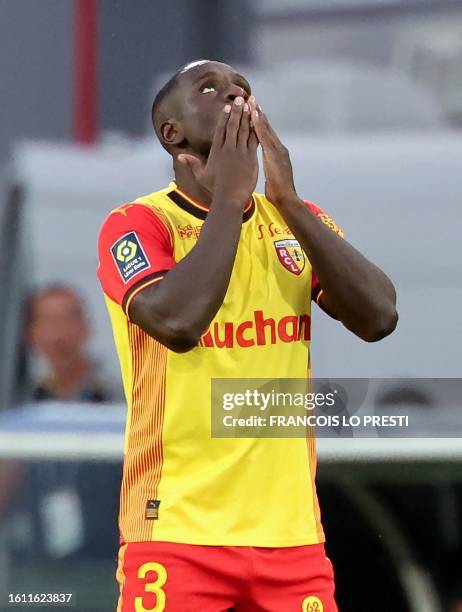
[166, 222]
[158, 212]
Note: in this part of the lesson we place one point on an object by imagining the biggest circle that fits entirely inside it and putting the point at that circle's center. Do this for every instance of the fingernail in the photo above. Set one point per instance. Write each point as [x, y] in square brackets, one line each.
[246, 108]
[227, 108]
[259, 108]
[252, 99]
[238, 101]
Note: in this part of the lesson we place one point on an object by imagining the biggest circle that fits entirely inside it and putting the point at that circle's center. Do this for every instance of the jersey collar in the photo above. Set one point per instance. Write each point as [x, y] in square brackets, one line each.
[199, 210]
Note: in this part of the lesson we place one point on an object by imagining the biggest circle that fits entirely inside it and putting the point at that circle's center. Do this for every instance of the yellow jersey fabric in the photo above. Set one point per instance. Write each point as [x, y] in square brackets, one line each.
[180, 484]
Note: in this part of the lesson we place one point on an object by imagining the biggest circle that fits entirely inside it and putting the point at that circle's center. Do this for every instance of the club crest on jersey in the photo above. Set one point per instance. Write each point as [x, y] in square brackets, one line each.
[290, 255]
[129, 256]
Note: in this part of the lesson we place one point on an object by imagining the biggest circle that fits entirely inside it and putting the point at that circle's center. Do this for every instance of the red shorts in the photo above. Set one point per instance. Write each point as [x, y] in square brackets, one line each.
[157, 576]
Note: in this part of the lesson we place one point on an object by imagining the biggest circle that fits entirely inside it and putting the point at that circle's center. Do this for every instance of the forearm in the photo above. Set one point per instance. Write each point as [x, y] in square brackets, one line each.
[358, 292]
[179, 309]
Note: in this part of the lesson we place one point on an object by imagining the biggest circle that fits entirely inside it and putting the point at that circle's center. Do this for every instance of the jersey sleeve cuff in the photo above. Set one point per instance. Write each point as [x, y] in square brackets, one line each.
[151, 279]
[316, 293]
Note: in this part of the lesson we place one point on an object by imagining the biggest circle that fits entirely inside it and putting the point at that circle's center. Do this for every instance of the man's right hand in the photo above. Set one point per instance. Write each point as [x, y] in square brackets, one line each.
[231, 171]
[203, 275]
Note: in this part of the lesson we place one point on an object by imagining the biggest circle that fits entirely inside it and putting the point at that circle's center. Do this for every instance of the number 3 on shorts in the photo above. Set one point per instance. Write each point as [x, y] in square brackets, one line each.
[152, 587]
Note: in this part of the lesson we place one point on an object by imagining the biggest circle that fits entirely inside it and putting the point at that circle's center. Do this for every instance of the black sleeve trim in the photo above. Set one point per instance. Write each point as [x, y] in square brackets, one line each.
[137, 285]
[315, 292]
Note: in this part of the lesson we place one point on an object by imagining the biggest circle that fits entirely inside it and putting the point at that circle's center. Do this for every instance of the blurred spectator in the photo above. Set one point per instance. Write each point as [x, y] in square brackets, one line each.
[57, 330]
[40, 494]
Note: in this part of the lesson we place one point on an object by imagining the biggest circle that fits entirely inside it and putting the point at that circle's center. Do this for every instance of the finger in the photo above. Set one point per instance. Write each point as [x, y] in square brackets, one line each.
[256, 119]
[194, 163]
[234, 121]
[266, 127]
[252, 143]
[220, 130]
[244, 129]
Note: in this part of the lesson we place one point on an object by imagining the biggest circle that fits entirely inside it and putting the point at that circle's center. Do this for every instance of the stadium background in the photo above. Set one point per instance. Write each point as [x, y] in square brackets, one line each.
[367, 96]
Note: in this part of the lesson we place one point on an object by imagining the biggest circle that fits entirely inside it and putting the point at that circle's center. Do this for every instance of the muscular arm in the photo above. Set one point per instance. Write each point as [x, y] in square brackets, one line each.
[355, 291]
[180, 308]
[177, 310]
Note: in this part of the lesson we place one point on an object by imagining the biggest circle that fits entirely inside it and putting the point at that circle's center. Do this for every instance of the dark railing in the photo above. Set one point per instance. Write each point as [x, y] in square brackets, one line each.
[12, 285]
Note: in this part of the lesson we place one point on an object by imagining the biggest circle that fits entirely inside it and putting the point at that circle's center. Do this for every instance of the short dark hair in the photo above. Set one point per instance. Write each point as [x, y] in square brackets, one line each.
[161, 97]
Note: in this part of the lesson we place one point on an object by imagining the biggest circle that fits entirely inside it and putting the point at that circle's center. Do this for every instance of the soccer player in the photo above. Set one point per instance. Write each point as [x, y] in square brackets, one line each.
[208, 279]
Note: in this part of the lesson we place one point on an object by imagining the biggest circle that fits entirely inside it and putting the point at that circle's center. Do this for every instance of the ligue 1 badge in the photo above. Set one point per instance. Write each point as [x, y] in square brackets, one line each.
[129, 256]
[291, 256]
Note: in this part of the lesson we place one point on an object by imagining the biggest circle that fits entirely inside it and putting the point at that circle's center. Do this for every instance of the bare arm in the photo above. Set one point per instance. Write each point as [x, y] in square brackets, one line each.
[355, 291]
[179, 309]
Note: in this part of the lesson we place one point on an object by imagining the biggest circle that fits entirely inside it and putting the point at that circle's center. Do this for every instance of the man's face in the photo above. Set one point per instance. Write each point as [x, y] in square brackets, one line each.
[204, 90]
[58, 327]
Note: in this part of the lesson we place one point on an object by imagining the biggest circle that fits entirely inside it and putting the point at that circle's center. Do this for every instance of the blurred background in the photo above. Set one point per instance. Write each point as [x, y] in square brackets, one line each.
[367, 96]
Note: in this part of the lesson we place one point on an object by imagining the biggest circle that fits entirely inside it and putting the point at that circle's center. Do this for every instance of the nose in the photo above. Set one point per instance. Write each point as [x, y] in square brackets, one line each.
[234, 91]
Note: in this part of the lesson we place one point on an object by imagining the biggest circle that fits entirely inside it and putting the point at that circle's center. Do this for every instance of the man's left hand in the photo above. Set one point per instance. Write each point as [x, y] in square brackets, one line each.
[279, 184]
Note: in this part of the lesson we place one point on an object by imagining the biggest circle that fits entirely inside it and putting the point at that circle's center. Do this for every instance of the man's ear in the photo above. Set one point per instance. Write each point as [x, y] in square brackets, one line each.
[171, 132]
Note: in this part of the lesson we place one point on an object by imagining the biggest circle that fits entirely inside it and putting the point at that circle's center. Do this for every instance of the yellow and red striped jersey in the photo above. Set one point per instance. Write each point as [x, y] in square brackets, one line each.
[180, 484]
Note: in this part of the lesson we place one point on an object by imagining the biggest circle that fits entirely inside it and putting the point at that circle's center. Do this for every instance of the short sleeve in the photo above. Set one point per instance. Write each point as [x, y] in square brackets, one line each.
[135, 249]
[325, 218]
